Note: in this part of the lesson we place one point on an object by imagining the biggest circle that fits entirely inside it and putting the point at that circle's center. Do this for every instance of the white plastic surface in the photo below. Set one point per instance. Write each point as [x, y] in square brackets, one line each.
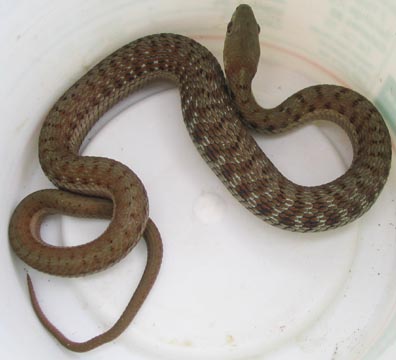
[231, 286]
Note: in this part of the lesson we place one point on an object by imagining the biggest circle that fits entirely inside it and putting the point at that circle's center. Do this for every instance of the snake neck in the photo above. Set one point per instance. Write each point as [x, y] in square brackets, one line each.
[253, 115]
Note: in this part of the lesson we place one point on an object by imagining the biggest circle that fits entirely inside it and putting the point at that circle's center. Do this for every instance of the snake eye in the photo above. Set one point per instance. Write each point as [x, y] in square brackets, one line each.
[258, 28]
[229, 27]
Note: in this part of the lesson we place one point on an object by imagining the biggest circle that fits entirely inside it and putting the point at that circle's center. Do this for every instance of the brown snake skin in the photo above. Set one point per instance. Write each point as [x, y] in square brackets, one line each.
[216, 122]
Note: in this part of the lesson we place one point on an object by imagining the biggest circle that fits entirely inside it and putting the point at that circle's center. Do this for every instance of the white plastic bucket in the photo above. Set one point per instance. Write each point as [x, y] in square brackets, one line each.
[231, 286]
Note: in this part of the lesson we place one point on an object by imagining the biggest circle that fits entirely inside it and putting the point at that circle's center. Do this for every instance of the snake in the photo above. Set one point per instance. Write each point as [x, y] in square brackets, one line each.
[220, 113]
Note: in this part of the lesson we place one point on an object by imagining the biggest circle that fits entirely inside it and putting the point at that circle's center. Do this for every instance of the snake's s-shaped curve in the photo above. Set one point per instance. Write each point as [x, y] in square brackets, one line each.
[214, 121]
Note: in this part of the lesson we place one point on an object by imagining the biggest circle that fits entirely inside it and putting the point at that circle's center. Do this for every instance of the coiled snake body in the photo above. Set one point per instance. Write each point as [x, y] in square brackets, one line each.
[216, 113]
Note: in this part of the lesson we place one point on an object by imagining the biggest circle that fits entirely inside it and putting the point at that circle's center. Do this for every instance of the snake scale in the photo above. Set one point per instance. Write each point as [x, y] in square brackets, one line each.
[217, 113]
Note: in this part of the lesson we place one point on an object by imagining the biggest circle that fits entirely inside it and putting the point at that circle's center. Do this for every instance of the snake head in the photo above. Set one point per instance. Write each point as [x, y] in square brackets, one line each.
[241, 47]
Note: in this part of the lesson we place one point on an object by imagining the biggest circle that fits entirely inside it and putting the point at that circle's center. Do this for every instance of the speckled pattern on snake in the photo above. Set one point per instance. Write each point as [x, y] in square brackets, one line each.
[217, 113]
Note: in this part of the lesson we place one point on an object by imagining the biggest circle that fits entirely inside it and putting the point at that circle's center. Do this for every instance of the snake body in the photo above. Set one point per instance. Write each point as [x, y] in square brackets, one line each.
[217, 113]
